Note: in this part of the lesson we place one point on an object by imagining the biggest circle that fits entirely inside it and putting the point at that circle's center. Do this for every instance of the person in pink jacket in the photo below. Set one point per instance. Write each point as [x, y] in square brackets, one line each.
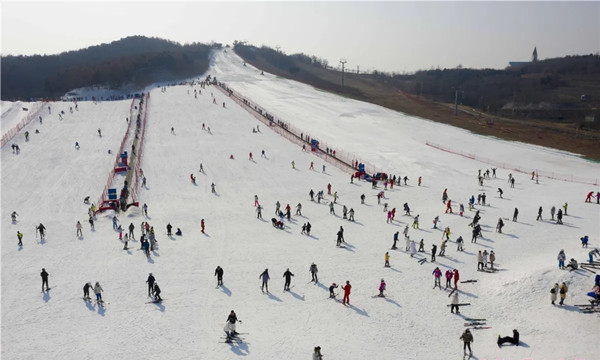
[381, 288]
[437, 273]
[448, 275]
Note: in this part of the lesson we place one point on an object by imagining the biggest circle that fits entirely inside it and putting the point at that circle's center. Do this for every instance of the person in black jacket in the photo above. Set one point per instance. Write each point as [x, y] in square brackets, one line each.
[288, 278]
[86, 290]
[157, 293]
[508, 339]
[219, 275]
[230, 325]
[44, 276]
[150, 282]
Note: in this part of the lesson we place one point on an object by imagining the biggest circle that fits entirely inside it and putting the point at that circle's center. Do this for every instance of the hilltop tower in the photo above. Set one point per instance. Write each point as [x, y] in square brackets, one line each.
[534, 57]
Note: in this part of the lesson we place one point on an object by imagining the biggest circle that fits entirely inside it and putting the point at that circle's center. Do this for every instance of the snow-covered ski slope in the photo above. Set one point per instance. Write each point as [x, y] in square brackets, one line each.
[48, 180]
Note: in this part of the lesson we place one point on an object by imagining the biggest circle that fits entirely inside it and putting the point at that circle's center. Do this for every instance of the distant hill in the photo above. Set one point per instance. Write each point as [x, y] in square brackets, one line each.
[545, 90]
[135, 60]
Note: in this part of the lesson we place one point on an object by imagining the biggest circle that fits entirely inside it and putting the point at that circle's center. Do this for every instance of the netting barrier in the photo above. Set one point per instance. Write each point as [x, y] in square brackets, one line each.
[138, 172]
[343, 160]
[15, 130]
[541, 173]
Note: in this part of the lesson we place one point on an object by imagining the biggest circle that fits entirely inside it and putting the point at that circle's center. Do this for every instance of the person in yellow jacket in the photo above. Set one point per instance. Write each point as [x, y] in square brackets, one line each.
[387, 259]
[563, 292]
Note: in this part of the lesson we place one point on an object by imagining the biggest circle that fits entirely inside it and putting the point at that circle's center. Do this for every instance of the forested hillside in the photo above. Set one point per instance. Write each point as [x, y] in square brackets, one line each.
[137, 61]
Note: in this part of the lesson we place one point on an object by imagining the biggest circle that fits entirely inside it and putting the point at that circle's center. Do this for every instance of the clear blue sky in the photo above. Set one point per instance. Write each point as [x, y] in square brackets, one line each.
[390, 36]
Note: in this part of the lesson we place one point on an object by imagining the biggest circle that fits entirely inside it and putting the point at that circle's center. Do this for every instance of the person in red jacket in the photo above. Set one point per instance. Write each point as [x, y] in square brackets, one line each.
[589, 196]
[449, 207]
[202, 225]
[456, 277]
[346, 289]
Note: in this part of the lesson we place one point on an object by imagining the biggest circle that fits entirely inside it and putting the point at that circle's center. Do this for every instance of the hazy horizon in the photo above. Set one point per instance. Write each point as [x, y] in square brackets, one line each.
[386, 36]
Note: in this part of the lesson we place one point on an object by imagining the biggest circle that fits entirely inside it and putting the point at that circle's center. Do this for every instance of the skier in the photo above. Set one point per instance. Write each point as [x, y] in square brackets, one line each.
[299, 209]
[456, 277]
[98, 291]
[422, 245]
[433, 250]
[437, 274]
[419, 181]
[42, 229]
[561, 259]
[145, 209]
[308, 227]
[413, 248]
[565, 206]
[446, 233]
[539, 217]
[331, 209]
[462, 209]
[435, 221]
[317, 353]
[415, 224]
[480, 260]
[448, 275]
[467, 339]
[78, 227]
[346, 288]
[563, 293]
[554, 293]
[86, 290]
[219, 275]
[351, 215]
[500, 192]
[449, 207]
[44, 276]
[212, 186]
[131, 227]
[150, 283]
[459, 243]
[499, 225]
[265, 279]
[515, 214]
[13, 216]
[20, 237]
[328, 189]
[584, 241]
[193, 179]
[312, 194]
[230, 325]
[387, 259]
[259, 212]
[407, 243]
[313, 271]
[395, 240]
[492, 259]
[169, 228]
[157, 292]
[559, 216]
[99, 132]
[381, 288]
[250, 157]
[362, 199]
[331, 293]
[202, 226]
[454, 303]
[345, 212]
[288, 278]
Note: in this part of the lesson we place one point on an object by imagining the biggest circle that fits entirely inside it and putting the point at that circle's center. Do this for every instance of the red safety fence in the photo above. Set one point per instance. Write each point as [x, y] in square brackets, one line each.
[111, 176]
[15, 130]
[138, 172]
[343, 160]
[528, 171]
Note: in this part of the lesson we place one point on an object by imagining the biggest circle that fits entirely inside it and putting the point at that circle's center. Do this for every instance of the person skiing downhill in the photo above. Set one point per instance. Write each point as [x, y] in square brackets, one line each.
[467, 339]
[230, 325]
[437, 274]
[313, 271]
[288, 278]
[98, 291]
[20, 237]
[265, 280]
[42, 229]
[156, 293]
[381, 288]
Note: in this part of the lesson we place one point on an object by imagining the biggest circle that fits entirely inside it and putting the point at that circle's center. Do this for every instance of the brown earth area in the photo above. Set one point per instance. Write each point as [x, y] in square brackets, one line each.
[562, 136]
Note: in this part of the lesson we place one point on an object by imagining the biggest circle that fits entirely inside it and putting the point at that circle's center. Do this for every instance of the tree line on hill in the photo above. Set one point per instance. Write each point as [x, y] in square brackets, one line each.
[556, 89]
[135, 61]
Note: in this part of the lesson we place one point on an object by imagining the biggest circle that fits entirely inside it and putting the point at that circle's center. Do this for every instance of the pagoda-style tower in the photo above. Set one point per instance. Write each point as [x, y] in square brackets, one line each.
[534, 57]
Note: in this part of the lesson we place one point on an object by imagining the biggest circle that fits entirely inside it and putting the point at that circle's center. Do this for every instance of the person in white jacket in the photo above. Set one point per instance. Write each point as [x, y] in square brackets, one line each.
[413, 248]
[454, 302]
[98, 291]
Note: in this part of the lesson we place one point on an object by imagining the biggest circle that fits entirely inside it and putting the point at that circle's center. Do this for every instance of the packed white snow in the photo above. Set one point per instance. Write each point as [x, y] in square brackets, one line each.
[47, 182]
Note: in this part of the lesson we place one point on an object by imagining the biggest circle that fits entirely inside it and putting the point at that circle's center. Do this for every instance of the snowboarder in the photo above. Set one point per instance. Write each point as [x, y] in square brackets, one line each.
[44, 276]
[313, 271]
[346, 288]
[150, 283]
[509, 339]
[265, 280]
[515, 214]
[20, 237]
[98, 291]
[381, 288]
[288, 278]
[219, 275]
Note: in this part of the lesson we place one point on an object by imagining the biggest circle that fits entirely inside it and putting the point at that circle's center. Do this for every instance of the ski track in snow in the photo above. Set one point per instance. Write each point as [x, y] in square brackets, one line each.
[49, 179]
